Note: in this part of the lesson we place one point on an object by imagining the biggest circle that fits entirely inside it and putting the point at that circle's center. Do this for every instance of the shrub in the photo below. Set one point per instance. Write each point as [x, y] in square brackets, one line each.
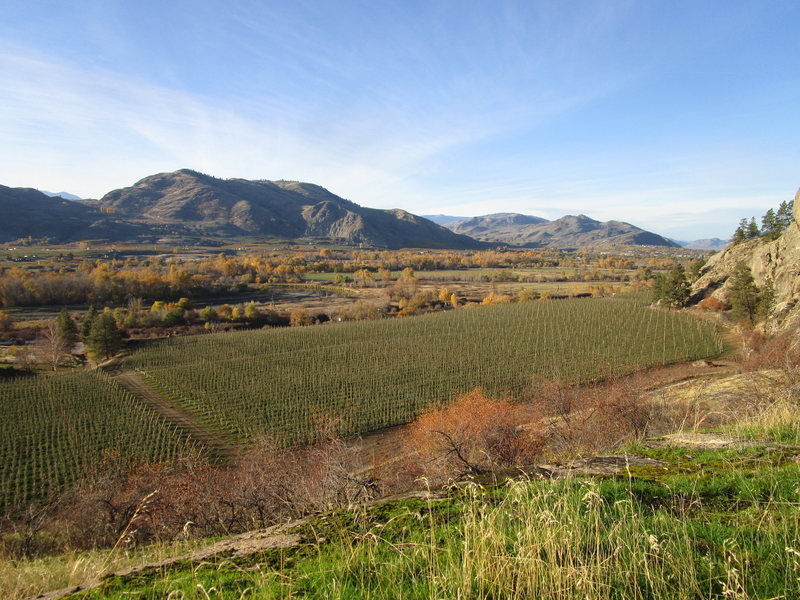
[494, 298]
[712, 303]
[474, 434]
[6, 322]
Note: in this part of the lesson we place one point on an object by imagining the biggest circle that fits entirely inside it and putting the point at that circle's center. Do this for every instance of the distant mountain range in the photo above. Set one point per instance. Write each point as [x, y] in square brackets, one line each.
[706, 244]
[567, 232]
[64, 195]
[508, 227]
[443, 219]
[191, 204]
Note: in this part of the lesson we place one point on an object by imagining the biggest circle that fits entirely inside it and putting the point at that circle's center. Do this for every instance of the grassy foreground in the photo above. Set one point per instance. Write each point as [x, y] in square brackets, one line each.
[704, 524]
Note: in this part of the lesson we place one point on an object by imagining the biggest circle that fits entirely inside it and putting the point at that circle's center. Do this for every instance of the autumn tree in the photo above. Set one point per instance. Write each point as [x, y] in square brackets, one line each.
[363, 277]
[251, 312]
[300, 317]
[6, 321]
[208, 314]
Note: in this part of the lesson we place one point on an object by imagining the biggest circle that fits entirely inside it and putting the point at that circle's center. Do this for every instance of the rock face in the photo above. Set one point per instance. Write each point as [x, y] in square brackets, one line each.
[568, 232]
[778, 260]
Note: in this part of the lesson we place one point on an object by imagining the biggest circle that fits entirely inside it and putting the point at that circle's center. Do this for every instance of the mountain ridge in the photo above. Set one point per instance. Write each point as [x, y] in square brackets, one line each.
[204, 204]
[570, 231]
[192, 204]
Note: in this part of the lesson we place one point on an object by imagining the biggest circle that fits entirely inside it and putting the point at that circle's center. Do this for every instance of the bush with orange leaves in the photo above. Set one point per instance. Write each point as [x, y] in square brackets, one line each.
[473, 435]
[712, 303]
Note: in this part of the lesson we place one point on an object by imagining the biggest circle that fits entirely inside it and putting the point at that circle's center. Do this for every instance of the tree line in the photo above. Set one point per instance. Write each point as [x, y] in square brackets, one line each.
[773, 224]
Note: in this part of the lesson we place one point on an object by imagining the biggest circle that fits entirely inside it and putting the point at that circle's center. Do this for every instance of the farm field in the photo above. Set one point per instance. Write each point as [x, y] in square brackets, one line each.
[374, 374]
[53, 429]
[477, 274]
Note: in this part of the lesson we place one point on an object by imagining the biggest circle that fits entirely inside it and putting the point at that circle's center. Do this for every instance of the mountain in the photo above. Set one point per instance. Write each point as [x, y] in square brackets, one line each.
[64, 195]
[189, 202]
[29, 212]
[567, 232]
[443, 219]
[774, 261]
[707, 244]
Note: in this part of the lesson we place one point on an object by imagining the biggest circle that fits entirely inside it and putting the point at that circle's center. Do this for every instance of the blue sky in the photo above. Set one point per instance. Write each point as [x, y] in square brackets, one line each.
[680, 117]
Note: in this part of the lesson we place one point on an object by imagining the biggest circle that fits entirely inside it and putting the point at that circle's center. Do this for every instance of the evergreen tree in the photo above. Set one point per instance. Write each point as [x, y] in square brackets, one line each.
[695, 267]
[741, 233]
[88, 319]
[769, 225]
[785, 215]
[745, 297]
[672, 288]
[66, 330]
[104, 338]
[752, 229]
[766, 299]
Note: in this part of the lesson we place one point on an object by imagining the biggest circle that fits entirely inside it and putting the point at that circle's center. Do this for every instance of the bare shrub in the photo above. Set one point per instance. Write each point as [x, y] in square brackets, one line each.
[778, 352]
[361, 310]
[594, 417]
[123, 502]
[473, 435]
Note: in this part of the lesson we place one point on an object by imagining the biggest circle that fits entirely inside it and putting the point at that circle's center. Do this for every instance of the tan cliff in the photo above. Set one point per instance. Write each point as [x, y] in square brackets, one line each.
[778, 260]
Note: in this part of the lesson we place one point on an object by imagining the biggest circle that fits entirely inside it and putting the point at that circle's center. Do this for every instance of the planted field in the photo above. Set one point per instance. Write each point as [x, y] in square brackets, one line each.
[54, 429]
[378, 373]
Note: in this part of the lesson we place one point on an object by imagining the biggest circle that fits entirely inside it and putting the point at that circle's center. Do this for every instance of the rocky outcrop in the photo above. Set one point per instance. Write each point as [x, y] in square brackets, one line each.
[778, 261]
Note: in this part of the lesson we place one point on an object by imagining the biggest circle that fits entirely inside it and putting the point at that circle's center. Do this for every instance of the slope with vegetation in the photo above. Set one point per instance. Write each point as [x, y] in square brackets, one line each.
[771, 259]
[695, 514]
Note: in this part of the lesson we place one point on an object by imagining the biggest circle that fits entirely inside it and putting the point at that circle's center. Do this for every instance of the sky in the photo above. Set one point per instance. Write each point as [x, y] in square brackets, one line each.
[677, 116]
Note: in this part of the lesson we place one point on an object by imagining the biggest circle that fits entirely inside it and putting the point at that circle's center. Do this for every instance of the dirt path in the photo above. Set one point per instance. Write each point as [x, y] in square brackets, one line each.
[216, 443]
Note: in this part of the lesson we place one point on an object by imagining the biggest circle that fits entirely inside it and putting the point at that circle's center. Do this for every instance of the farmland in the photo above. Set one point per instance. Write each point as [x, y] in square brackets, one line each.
[55, 429]
[361, 376]
[373, 374]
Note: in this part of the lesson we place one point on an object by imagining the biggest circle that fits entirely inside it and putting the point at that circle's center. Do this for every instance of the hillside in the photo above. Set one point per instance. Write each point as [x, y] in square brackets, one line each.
[29, 212]
[191, 202]
[776, 261]
[690, 514]
[567, 232]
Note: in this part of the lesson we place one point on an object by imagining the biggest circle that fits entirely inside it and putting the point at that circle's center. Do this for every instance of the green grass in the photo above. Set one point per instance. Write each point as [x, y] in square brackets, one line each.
[614, 538]
[53, 429]
[374, 374]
